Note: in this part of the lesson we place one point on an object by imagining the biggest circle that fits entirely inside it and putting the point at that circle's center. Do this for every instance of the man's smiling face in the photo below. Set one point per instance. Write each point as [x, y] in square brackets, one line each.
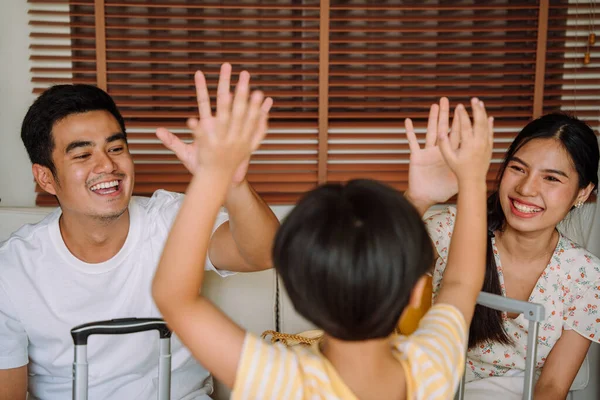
[94, 170]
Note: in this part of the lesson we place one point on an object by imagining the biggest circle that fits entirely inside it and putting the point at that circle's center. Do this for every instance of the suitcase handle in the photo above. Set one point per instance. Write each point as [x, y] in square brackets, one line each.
[119, 326]
[535, 314]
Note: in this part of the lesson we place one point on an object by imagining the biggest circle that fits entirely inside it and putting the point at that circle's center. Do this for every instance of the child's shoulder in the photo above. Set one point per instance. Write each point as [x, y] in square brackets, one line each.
[442, 323]
[262, 363]
[292, 348]
[434, 354]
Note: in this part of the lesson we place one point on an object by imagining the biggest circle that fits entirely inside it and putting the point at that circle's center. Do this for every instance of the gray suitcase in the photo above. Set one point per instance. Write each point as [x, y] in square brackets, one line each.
[534, 313]
[122, 326]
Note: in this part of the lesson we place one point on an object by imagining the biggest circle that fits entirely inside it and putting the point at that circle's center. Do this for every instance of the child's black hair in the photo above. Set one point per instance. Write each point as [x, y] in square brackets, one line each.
[349, 256]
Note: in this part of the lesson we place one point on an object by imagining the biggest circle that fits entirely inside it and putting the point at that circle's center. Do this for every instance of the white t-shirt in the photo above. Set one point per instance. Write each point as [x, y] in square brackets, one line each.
[45, 291]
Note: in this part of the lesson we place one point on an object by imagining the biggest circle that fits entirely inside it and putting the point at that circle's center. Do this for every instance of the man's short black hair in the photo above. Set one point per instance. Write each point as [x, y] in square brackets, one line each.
[55, 104]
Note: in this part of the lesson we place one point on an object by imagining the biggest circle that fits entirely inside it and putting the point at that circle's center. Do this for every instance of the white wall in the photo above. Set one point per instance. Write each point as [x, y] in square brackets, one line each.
[16, 181]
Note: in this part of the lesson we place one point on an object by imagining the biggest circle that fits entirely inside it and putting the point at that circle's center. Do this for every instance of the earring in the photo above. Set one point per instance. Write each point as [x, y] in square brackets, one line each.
[578, 204]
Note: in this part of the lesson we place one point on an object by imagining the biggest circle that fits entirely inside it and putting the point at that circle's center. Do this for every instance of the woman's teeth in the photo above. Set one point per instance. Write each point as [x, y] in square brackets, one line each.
[526, 209]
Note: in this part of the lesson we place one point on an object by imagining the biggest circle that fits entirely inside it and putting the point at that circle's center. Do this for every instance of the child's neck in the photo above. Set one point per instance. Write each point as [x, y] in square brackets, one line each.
[367, 367]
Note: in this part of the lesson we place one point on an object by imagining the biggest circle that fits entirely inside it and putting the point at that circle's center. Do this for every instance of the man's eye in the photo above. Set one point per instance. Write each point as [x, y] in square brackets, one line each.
[116, 149]
[82, 156]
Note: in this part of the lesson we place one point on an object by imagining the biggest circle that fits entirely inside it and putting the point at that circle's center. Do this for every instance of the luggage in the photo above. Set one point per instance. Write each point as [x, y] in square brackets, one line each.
[122, 326]
[534, 313]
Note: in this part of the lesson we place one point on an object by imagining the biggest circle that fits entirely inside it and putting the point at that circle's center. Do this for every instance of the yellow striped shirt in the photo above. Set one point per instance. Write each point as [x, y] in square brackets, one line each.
[433, 359]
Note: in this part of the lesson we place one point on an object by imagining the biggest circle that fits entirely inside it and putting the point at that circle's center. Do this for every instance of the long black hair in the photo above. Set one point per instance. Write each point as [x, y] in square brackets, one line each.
[580, 142]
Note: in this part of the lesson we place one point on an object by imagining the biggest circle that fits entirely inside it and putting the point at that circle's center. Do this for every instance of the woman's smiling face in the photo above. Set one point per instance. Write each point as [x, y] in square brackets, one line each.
[539, 186]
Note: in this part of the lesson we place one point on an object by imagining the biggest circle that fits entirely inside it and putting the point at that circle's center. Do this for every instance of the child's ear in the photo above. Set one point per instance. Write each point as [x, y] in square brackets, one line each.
[416, 295]
[417, 306]
[45, 178]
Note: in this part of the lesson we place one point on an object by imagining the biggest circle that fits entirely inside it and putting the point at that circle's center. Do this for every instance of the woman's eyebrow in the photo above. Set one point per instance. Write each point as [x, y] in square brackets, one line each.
[548, 171]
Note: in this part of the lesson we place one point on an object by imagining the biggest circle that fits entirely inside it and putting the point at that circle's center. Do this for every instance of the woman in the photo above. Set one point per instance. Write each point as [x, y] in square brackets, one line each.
[550, 169]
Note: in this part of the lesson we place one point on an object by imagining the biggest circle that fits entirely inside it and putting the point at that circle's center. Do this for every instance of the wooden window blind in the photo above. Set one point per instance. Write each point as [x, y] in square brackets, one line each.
[572, 83]
[343, 73]
[392, 61]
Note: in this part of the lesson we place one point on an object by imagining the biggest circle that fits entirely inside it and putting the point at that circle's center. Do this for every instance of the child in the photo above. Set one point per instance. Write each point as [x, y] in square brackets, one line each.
[352, 257]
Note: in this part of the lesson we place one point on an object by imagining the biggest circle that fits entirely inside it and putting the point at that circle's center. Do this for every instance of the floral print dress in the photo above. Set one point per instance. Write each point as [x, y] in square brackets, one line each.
[569, 289]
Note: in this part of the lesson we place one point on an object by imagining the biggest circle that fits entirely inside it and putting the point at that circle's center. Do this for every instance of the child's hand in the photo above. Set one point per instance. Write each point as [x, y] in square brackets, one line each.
[226, 141]
[471, 160]
[188, 154]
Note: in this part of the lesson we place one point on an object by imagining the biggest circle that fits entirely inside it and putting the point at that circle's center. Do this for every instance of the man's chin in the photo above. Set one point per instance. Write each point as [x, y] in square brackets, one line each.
[110, 216]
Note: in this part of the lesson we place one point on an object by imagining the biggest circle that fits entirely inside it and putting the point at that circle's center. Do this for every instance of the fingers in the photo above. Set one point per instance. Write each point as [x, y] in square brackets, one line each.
[455, 131]
[253, 114]
[266, 106]
[448, 152]
[469, 143]
[432, 122]
[413, 144]
[224, 91]
[444, 115]
[480, 120]
[263, 123]
[202, 96]
[195, 127]
[170, 141]
[466, 130]
[165, 136]
[491, 128]
[236, 115]
[244, 116]
[240, 103]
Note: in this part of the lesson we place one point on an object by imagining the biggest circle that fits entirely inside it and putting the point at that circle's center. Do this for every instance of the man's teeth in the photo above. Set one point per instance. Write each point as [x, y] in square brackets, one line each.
[526, 209]
[105, 185]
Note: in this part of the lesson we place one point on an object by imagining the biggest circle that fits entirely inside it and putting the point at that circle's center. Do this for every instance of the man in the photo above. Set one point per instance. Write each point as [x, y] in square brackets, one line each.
[95, 256]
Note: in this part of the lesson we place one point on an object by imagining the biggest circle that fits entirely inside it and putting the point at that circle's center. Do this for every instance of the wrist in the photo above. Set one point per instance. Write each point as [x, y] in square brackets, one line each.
[235, 190]
[215, 180]
[472, 183]
[421, 204]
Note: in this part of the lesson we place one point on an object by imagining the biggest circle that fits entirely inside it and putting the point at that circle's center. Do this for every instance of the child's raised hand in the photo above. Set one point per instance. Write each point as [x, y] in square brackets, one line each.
[226, 141]
[471, 159]
[430, 180]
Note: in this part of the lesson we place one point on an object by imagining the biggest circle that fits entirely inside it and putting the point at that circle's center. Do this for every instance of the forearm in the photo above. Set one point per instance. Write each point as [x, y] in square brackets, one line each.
[561, 366]
[180, 272]
[554, 382]
[253, 225]
[467, 252]
[549, 392]
[463, 276]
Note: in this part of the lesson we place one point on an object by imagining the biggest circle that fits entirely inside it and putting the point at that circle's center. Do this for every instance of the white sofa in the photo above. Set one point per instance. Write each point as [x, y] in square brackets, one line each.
[249, 299]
